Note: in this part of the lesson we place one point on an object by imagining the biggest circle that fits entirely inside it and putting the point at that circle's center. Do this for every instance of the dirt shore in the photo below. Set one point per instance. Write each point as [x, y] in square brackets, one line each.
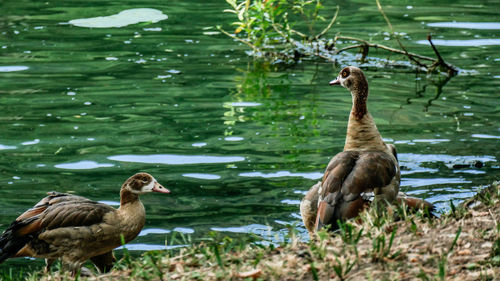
[461, 245]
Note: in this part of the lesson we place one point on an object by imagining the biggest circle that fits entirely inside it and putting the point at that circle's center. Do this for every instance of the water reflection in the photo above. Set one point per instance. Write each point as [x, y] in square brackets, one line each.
[171, 159]
[2, 147]
[467, 25]
[148, 231]
[149, 247]
[12, 68]
[83, 165]
[202, 176]
[259, 229]
[312, 175]
[462, 43]
[420, 182]
[484, 136]
[243, 104]
[233, 138]
[123, 18]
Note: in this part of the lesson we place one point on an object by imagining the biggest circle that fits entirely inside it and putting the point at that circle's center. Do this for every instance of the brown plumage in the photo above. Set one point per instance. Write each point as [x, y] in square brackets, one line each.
[76, 229]
[366, 171]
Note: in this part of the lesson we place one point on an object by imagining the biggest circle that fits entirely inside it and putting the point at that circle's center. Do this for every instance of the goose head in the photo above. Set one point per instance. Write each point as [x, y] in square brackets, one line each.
[141, 183]
[353, 79]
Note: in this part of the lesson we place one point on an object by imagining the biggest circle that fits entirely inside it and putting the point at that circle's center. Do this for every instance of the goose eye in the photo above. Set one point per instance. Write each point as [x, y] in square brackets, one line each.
[344, 74]
[144, 180]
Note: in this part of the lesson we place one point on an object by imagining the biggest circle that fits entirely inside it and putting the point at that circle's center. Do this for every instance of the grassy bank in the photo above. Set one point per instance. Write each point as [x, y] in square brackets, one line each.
[461, 245]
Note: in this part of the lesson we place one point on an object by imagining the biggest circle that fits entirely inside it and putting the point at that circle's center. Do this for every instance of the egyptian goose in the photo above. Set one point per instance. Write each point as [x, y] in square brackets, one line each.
[366, 171]
[76, 229]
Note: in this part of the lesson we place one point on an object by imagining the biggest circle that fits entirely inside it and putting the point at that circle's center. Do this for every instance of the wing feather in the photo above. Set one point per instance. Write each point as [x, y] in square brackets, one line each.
[57, 210]
[348, 175]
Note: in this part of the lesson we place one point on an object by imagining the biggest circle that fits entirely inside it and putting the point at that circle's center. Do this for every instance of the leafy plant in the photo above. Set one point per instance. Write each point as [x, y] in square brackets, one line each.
[343, 266]
[349, 233]
[271, 26]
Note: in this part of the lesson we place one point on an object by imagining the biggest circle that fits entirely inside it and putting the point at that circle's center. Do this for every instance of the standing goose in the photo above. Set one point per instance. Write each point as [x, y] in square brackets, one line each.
[367, 170]
[76, 229]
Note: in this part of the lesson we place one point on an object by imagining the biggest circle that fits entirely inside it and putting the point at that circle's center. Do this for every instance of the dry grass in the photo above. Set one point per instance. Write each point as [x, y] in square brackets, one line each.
[462, 245]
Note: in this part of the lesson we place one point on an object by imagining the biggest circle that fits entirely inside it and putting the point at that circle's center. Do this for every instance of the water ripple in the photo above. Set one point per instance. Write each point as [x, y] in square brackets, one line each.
[83, 165]
[462, 43]
[173, 159]
[123, 18]
[201, 176]
[279, 174]
[149, 247]
[147, 231]
[2, 147]
[12, 68]
[484, 136]
[252, 228]
[419, 182]
[467, 25]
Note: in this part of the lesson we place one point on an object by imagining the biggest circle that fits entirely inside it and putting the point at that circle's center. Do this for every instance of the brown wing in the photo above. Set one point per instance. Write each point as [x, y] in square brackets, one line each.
[349, 175]
[54, 211]
[52, 199]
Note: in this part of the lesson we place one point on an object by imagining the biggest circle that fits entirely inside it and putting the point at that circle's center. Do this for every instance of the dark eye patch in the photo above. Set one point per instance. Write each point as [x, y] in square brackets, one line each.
[345, 72]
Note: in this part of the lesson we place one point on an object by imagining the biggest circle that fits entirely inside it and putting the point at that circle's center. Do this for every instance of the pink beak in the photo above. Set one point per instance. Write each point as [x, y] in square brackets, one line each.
[159, 188]
[335, 82]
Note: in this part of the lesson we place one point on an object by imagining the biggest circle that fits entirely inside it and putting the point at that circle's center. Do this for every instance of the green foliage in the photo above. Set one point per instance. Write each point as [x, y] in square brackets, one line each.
[272, 26]
[495, 253]
[126, 255]
[12, 275]
[314, 271]
[343, 266]
[268, 21]
[381, 249]
[349, 233]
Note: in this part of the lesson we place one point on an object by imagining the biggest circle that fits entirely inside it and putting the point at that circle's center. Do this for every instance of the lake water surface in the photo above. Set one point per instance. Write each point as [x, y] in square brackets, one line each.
[87, 101]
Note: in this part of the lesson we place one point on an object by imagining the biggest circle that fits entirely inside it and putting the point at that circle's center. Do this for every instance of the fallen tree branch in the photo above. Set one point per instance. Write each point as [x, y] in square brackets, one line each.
[440, 62]
[295, 44]
[379, 46]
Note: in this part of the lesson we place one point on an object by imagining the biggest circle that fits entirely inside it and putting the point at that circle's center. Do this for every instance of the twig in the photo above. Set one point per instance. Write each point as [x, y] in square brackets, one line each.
[238, 39]
[299, 33]
[350, 47]
[280, 32]
[438, 55]
[380, 47]
[396, 37]
[440, 60]
[329, 25]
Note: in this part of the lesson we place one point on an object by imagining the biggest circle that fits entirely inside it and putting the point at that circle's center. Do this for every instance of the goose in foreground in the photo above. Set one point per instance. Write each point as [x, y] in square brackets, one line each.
[76, 229]
[365, 172]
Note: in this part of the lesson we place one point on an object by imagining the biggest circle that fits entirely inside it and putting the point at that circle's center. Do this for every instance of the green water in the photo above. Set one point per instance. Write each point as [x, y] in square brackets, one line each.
[238, 142]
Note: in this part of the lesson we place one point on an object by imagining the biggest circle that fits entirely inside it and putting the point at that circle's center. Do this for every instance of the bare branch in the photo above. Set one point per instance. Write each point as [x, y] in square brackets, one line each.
[329, 25]
[378, 46]
[349, 47]
[396, 37]
[238, 39]
[299, 33]
[440, 60]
